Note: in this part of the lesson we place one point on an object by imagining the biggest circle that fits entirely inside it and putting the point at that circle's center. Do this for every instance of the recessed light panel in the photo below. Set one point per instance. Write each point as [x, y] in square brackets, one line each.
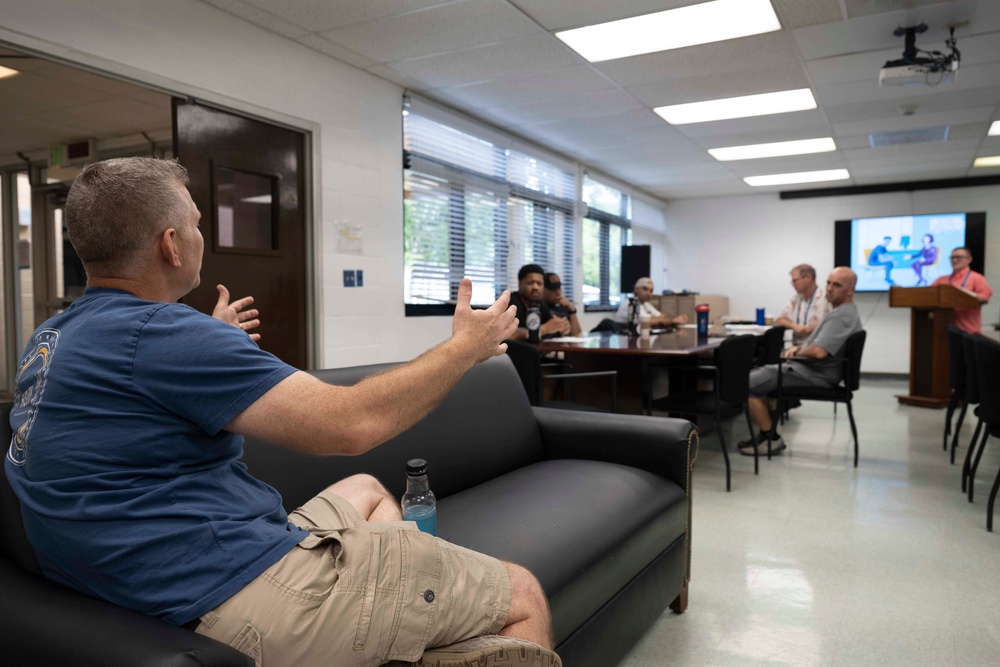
[6, 71]
[763, 104]
[991, 161]
[801, 177]
[778, 149]
[994, 129]
[672, 29]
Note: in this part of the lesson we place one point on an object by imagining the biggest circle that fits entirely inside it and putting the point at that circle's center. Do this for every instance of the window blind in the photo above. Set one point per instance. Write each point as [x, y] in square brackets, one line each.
[473, 208]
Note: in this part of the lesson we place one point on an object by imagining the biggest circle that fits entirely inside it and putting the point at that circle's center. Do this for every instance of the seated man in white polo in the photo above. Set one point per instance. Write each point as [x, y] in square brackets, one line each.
[815, 363]
[643, 293]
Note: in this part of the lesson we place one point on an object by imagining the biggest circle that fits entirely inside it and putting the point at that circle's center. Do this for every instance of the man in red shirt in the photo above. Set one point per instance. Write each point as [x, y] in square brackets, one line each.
[967, 319]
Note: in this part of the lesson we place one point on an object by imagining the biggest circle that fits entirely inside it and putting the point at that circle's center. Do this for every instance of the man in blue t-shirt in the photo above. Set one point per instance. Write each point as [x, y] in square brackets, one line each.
[129, 416]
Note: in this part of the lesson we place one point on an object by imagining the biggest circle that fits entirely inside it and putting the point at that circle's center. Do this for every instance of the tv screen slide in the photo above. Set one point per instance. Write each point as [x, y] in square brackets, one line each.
[906, 250]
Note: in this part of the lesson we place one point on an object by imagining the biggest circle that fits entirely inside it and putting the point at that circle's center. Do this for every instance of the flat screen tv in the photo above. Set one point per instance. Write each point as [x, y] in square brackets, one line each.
[907, 250]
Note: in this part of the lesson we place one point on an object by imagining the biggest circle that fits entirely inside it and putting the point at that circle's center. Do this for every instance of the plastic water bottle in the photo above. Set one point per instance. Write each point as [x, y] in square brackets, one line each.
[533, 320]
[418, 502]
[702, 310]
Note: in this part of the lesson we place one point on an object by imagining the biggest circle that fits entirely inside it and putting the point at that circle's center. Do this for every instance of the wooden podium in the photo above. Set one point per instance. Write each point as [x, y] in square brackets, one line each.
[932, 309]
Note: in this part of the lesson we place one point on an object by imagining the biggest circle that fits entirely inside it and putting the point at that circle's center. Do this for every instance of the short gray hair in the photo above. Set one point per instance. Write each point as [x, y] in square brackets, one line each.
[116, 208]
[805, 270]
[645, 280]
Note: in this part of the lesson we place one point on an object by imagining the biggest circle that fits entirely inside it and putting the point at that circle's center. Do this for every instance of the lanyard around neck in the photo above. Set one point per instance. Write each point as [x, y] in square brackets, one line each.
[798, 313]
[952, 279]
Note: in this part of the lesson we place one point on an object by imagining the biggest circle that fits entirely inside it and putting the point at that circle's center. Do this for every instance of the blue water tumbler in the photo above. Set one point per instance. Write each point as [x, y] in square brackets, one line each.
[702, 310]
[760, 317]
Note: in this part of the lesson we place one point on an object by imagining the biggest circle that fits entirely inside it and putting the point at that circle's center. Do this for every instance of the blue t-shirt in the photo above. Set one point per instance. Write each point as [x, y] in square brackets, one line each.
[131, 490]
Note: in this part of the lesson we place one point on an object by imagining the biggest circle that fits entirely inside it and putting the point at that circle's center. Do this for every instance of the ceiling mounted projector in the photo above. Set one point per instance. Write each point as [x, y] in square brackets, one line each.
[918, 67]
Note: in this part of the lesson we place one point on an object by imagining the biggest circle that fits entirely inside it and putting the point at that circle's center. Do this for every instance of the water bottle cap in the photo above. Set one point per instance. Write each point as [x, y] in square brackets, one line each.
[702, 308]
[416, 467]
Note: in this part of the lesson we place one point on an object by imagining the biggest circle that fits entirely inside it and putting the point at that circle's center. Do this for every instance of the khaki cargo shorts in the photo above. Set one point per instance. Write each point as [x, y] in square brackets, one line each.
[358, 593]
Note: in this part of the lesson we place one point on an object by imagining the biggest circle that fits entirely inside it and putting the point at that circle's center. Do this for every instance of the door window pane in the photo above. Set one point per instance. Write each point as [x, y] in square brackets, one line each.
[245, 210]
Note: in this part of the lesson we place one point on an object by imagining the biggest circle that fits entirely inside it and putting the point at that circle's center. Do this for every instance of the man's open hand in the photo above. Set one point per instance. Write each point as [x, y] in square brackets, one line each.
[483, 330]
[233, 313]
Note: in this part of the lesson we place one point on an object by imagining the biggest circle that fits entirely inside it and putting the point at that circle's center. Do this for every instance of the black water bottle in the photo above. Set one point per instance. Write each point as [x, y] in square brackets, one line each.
[633, 316]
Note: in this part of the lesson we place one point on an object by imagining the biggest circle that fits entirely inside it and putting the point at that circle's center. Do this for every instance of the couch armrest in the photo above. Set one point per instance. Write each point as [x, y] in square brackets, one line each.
[664, 446]
[43, 623]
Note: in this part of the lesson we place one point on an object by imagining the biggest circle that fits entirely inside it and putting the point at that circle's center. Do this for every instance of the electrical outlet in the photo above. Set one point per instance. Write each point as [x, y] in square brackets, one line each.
[348, 278]
[360, 278]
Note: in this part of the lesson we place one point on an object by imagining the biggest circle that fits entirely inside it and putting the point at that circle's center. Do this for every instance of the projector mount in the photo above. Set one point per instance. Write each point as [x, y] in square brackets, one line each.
[930, 61]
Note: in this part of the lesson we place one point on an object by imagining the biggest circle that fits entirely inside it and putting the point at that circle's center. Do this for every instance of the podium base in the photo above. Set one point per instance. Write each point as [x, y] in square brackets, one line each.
[923, 401]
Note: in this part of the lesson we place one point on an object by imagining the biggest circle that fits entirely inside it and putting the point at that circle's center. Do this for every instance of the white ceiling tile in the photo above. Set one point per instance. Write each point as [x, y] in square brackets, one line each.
[783, 133]
[563, 14]
[536, 53]
[755, 52]
[758, 124]
[317, 15]
[563, 85]
[923, 101]
[907, 153]
[873, 33]
[856, 8]
[259, 16]
[890, 124]
[800, 13]
[341, 53]
[439, 29]
[789, 76]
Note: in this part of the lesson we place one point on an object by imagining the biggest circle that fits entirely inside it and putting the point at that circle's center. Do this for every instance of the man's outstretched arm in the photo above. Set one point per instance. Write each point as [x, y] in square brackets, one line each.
[308, 415]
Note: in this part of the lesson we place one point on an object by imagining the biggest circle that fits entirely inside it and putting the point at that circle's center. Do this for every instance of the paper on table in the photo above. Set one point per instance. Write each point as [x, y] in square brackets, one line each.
[567, 339]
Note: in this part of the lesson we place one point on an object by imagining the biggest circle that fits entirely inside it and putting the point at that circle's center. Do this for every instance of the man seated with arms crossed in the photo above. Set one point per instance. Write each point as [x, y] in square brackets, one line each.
[643, 293]
[963, 277]
[807, 308]
[129, 416]
[814, 363]
[559, 305]
[530, 282]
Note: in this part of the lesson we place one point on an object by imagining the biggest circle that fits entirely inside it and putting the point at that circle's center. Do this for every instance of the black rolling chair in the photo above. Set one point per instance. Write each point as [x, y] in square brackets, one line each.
[841, 393]
[769, 346]
[971, 398]
[528, 362]
[730, 370]
[956, 375]
[608, 325]
[988, 363]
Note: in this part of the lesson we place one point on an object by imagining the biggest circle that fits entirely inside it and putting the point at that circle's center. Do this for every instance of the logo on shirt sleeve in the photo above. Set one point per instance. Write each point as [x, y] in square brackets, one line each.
[32, 374]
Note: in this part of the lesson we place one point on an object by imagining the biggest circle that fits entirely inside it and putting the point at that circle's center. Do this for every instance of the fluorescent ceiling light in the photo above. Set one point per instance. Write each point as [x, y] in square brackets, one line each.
[991, 161]
[801, 177]
[763, 104]
[994, 129]
[6, 71]
[672, 29]
[777, 149]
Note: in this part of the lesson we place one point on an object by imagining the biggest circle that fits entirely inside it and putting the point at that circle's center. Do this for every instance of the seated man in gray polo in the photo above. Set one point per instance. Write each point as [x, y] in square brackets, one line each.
[815, 363]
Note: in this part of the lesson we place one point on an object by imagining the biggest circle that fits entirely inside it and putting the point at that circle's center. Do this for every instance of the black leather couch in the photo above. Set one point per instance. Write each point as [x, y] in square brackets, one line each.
[596, 505]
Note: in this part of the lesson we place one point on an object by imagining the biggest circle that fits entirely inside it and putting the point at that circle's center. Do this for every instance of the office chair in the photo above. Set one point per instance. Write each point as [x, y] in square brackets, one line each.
[528, 363]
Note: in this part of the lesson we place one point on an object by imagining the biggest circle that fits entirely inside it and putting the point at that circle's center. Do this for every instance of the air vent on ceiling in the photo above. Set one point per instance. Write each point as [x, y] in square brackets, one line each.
[918, 135]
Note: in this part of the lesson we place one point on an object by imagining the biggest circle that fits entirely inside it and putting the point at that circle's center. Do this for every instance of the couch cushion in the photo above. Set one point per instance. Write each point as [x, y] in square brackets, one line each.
[482, 429]
[584, 528]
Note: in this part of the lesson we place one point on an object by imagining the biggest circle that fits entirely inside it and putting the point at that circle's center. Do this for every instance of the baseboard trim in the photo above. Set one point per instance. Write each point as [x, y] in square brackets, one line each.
[866, 375]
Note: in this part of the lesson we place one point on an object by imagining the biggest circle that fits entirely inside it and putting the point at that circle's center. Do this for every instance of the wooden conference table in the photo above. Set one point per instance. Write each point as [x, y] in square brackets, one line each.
[625, 354]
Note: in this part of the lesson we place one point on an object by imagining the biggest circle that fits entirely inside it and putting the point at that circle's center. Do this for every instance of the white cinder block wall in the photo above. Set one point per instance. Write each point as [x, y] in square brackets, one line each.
[740, 246]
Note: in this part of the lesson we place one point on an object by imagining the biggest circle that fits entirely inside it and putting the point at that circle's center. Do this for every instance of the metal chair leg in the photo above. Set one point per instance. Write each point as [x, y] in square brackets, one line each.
[722, 441]
[975, 462]
[958, 429]
[968, 455]
[854, 430]
[989, 506]
[756, 463]
[947, 419]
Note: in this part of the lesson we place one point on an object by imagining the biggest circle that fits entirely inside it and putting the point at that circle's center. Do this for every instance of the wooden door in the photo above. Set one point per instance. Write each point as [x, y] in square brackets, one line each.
[248, 181]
